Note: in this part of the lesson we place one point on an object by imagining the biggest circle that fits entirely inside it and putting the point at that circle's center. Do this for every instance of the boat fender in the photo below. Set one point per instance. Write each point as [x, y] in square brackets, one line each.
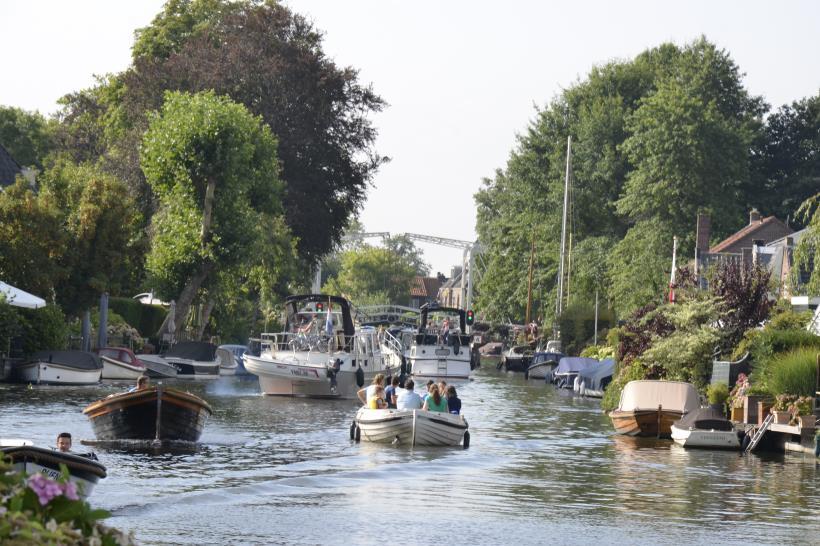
[403, 365]
[353, 430]
[360, 377]
[456, 345]
[357, 435]
[466, 441]
[527, 373]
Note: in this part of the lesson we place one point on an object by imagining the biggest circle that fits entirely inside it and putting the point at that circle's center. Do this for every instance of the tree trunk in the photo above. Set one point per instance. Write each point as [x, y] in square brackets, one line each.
[207, 211]
[206, 315]
[188, 294]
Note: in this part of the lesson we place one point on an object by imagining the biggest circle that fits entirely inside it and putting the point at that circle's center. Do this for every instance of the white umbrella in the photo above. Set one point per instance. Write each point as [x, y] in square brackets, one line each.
[19, 298]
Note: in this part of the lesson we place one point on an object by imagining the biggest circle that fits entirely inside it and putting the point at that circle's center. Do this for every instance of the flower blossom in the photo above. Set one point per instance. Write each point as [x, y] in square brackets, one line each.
[45, 488]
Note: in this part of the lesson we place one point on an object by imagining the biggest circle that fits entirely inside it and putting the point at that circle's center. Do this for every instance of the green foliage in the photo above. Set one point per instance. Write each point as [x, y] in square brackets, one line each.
[145, 318]
[9, 325]
[599, 352]
[43, 329]
[371, 275]
[794, 372]
[805, 255]
[623, 375]
[577, 325]
[717, 393]
[30, 515]
[25, 135]
[764, 346]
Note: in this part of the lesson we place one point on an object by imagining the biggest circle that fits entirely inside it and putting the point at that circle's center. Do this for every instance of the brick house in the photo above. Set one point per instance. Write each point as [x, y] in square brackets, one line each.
[740, 246]
[450, 293]
[424, 290]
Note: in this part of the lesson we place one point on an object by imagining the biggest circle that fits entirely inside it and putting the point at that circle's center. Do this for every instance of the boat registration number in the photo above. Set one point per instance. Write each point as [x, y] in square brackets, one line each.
[442, 352]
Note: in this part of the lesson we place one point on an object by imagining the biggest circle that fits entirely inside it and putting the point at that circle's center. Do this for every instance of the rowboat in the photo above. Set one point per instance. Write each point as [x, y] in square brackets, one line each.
[61, 368]
[120, 363]
[84, 470]
[648, 408]
[410, 427]
[154, 413]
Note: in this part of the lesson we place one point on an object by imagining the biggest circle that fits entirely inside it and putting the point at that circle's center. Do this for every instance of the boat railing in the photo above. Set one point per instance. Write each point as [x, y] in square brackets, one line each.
[391, 343]
[320, 342]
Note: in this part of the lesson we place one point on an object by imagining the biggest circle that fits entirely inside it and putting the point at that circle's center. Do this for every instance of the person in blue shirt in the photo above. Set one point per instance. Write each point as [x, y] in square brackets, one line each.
[390, 392]
[453, 401]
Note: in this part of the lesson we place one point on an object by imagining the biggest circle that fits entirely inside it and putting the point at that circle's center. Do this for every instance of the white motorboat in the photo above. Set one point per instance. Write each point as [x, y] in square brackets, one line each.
[705, 428]
[543, 365]
[120, 363]
[194, 359]
[568, 369]
[320, 354]
[440, 350]
[227, 362]
[83, 469]
[410, 427]
[593, 381]
[61, 368]
[156, 366]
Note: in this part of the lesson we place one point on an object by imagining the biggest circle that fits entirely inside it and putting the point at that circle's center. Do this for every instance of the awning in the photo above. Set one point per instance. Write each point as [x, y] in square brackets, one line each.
[20, 298]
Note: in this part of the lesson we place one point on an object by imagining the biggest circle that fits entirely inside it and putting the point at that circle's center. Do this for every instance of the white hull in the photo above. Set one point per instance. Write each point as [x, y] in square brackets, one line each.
[540, 371]
[411, 427]
[56, 374]
[84, 487]
[712, 439]
[196, 369]
[439, 362]
[307, 375]
[116, 369]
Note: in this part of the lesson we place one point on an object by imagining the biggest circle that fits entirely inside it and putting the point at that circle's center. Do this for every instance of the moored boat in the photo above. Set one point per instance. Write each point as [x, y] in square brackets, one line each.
[705, 428]
[84, 470]
[543, 365]
[593, 380]
[320, 354]
[238, 351]
[227, 362]
[411, 427]
[517, 358]
[441, 350]
[490, 353]
[649, 407]
[60, 368]
[155, 413]
[568, 369]
[120, 363]
[194, 359]
[157, 367]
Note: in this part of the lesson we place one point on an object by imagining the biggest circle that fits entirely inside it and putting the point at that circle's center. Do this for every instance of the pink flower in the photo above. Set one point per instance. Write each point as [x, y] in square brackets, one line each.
[45, 488]
[70, 490]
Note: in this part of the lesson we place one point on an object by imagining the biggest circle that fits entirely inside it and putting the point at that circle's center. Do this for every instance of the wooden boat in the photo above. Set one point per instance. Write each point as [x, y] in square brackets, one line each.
[120, 363]
[61, 368]
[84, 470]
[153, 413]
[648, 408]
[705, 428]
[410, 427]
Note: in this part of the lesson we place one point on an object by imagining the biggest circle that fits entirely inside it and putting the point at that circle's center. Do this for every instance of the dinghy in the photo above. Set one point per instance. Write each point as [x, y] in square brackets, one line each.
[543, 365]
[705, 428]
[410, 427]
[83, 470]
[120, 363]
[61, 368]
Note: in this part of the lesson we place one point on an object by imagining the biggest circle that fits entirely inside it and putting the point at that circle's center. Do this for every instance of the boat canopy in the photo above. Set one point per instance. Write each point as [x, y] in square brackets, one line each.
[295, 304]
[705, 419]
[540, 358]
[669, 395]
[573, 364]
[598, 376]
[193, 350]
[428, 308]
[80, 360]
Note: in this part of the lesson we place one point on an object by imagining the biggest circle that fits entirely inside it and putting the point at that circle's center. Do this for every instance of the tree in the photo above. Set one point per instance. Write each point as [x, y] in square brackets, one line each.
[26, 135]
[405, 249]
[743, 292]
[100, 223]
[271, 60]
[373, 276]
[213, 167]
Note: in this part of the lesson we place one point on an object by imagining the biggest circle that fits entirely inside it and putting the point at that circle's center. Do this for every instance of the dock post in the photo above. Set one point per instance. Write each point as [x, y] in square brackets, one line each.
[159, 410]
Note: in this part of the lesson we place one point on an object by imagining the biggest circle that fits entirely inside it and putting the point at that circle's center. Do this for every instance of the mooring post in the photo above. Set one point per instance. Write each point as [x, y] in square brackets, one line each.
[159, 409]
[660, 409]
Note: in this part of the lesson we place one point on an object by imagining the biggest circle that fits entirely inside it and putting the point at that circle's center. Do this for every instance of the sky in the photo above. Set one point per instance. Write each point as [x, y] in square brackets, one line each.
[462, 78]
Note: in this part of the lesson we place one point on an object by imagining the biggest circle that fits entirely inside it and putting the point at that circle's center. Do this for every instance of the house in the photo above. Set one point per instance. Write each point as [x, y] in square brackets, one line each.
[424, 290]
[739, 246]
[10, 169]
[450, 294]
[778, 257]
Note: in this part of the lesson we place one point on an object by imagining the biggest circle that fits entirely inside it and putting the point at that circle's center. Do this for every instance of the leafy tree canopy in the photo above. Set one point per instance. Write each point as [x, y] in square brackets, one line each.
[371, 275]
[26, 136]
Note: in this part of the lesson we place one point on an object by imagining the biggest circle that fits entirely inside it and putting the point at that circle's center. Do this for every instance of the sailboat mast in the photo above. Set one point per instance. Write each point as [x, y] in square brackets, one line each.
[560, 304]
[529, 282]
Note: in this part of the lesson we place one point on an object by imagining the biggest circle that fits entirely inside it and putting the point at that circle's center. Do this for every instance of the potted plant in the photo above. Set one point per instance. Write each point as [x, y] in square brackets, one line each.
[780, 409]
[802, 412]
[717, 393]
[738, 399]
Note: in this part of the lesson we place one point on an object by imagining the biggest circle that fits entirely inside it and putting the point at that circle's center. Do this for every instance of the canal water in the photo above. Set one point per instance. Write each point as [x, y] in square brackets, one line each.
[543, 467]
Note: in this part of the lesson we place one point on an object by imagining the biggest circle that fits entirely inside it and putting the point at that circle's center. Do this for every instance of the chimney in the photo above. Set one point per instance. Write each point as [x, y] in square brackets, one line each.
[702, 234]
[754, 216]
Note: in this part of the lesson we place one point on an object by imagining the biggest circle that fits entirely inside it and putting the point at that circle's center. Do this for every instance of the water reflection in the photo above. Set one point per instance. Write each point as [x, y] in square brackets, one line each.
[543, 466]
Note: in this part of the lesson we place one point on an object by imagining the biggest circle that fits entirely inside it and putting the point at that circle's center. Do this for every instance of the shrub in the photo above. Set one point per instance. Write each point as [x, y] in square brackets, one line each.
[717, 393]
[794, 373]
[577, 325]
[145, 318]
[9, 325]
[623, 375]
[788, 319]
[767, 344]
[739, 391]
[743, 289]
[39, 510]
[599, 352]
[43, 329]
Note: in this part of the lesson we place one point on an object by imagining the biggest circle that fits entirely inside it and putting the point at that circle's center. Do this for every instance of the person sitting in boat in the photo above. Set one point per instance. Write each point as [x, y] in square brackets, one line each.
[435, 401]
[142, 384]
[390, 392]
[369, 392]
[445, 330]
[424, 396]
[442, 388]
[453, 401]
[64, 442]
[377, 402]
[408, 398]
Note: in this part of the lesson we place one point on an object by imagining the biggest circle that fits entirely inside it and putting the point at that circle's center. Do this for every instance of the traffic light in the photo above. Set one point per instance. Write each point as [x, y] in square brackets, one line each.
[320, 306]
[470, 318]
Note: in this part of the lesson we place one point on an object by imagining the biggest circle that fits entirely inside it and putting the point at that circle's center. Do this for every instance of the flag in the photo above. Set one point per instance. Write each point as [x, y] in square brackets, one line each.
[329, 320]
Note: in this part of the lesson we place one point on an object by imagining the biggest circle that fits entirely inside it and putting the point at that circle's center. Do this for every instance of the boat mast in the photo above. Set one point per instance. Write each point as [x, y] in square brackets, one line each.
[560, 303]
[529, 282]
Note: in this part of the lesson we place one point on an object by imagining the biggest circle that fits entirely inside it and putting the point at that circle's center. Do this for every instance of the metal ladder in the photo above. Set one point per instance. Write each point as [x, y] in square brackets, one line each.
[759, 434]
